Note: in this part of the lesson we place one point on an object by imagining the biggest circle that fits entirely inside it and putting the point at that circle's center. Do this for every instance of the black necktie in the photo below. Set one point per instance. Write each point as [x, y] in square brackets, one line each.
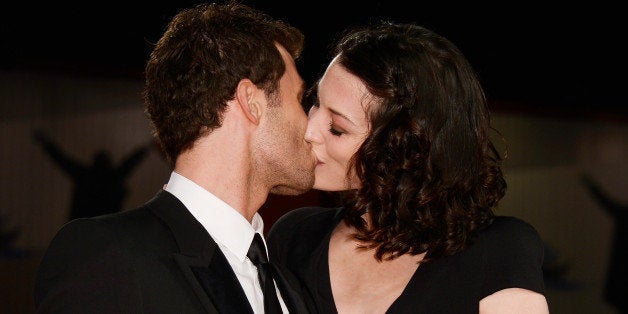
[257, 255]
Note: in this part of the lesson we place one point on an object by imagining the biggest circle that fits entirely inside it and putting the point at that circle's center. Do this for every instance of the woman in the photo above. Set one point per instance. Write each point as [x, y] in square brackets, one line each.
[399, 123]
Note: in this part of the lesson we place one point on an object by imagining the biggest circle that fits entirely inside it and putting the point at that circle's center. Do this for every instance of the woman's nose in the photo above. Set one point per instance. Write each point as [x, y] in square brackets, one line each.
[312, 133]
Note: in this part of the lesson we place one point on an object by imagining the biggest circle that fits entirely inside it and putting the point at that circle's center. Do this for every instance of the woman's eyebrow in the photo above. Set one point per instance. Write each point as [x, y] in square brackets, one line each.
[341, 115]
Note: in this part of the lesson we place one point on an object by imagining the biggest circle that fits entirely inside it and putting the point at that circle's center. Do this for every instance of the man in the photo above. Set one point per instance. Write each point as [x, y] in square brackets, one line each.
[224, 98]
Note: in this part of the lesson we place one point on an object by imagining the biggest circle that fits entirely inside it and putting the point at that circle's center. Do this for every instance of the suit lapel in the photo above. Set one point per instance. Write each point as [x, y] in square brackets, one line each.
[187, 264]
[199, 258]
[222, 286]
[215, 285]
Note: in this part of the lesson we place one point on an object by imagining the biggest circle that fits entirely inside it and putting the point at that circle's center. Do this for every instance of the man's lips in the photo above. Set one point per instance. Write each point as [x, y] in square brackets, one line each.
[319, 162]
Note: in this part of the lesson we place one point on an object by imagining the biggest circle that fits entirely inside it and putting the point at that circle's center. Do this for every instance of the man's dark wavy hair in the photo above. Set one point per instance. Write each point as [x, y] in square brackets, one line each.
[430, 175]
[197, 64]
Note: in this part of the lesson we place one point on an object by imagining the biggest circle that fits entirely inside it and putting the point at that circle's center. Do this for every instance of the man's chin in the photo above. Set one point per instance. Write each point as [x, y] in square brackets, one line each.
[291, 190]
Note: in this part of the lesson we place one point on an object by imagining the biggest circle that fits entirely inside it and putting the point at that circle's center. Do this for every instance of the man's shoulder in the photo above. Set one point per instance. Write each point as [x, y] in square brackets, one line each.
[133, 218]
[104, 226]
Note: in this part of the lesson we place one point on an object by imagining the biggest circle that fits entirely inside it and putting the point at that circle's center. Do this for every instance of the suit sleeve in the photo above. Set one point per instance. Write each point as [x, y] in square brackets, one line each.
[86, 269]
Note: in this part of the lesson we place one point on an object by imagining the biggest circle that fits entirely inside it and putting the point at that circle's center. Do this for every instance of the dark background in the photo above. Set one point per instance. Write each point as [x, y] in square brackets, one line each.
[566, 60]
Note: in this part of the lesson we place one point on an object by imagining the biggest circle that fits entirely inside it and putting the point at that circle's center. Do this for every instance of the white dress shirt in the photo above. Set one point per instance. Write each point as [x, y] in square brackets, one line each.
[231, 231]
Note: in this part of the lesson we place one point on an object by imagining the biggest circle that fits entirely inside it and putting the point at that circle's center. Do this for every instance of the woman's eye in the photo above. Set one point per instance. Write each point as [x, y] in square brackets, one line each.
[334, 132]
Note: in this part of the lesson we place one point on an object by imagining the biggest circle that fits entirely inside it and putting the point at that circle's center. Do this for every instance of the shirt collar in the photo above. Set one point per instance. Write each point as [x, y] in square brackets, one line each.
[223, 223]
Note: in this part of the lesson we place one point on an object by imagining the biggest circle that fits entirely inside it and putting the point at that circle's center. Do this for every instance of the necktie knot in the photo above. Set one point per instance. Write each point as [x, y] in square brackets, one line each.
[257, 251]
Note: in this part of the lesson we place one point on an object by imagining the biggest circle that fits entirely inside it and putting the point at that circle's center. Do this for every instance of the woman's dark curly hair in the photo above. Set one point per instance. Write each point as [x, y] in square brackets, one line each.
[430, 175]
[197, 64]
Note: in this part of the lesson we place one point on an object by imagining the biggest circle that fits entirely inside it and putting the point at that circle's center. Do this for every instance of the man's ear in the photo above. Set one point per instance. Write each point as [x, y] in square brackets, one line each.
[248, 97]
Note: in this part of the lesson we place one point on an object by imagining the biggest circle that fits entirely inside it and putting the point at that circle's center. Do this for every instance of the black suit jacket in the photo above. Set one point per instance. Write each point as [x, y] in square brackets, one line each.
[153, 259]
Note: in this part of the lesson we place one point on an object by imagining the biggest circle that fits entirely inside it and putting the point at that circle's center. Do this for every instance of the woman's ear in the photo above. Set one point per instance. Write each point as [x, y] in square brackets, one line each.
[247, 95]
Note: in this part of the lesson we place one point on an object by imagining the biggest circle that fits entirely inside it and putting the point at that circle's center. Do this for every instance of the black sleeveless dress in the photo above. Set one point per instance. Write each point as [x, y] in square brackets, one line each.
[507, 254]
